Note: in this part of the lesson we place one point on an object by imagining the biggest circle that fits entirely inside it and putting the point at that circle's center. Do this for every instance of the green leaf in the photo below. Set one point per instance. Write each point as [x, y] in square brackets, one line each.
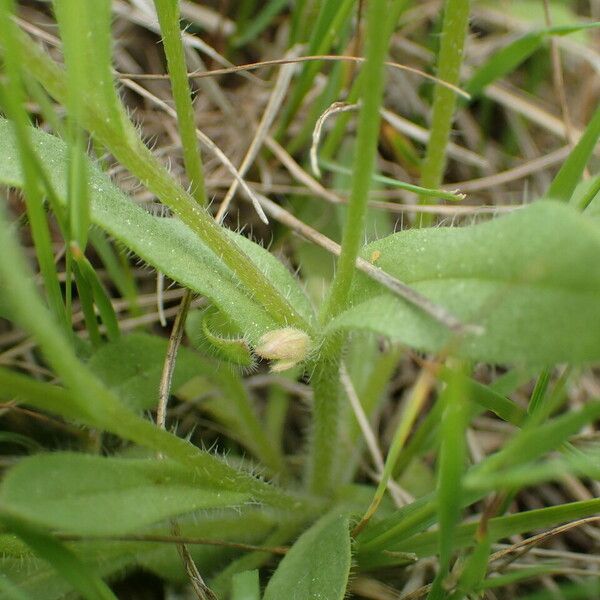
[111, 558]
[529, 279]
[89, 494]
[425, 544]
[166, 244]
[245, 586]
[317, 566]
[564, 184]
[132, 367]
[64, 562]
[507, 59]
[211, 332]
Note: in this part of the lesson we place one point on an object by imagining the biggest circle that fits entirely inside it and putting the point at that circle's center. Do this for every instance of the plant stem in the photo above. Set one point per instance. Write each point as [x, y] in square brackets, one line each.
[326, 384]
[454, 32]
[323, 441]
[168, 18]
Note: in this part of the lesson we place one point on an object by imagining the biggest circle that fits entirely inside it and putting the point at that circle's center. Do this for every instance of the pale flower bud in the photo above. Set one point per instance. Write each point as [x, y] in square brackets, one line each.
[288, 346]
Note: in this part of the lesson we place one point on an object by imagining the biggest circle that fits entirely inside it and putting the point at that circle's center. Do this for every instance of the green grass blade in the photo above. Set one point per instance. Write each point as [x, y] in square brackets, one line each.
[168, 17]
[416, 189]
[451, 466]
[245, 586]
[65, 562]
[259, 23]
[117, 268]
[426, 544]
[73, 20]
[450, 56]
[330, 20]
[99, 294]
[364, 159]
[86, 297]
[567, 178]
[506, 60]
[12, 97]
[533, 442]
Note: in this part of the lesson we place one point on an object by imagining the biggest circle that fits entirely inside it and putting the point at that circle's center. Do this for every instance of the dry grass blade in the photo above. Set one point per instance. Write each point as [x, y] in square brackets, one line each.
[274, 104]
[204, 139]
[422, 135]
[334, 109]
[399, 495]
[301, 59]
[520, 548]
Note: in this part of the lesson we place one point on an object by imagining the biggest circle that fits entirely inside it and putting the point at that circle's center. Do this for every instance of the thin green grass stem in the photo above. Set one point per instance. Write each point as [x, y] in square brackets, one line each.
[168, 17]
[364, 158]
[12, 97]
[454, 33]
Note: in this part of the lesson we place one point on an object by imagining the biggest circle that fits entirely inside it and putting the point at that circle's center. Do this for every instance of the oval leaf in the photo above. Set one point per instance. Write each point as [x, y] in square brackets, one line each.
[96, 495]
[531, 280]
[166, 244]
[317, 566]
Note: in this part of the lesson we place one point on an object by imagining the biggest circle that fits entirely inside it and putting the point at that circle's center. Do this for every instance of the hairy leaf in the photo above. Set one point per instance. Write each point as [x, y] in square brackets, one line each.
[97, 495]
[166, 244]
[132, 367]
[529, 279]
[317, 566]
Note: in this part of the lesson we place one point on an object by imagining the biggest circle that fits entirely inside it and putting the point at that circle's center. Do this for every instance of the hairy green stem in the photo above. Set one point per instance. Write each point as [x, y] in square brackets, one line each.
[323, 441]
[454, 32]
[168, 18]
[326, 385]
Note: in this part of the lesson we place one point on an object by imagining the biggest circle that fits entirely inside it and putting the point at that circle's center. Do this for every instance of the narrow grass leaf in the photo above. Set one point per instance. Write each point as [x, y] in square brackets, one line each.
[451, 466]
[416, 189]
[245, 586]
[81, 577]
[507, 59]
[12, 97]
[260, 22]
[330, 19]
[168, 17]
[427, 544]
[533, 442]
[449, 61]
[569, 175]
